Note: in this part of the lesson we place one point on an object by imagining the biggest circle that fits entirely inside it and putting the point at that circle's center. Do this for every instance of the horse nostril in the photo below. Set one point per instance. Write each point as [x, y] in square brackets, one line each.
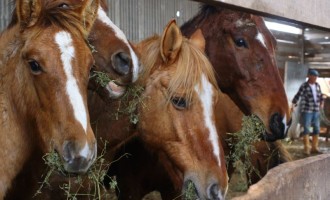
[276, 126]
[121, 63]
[214, 192]
[74, 162]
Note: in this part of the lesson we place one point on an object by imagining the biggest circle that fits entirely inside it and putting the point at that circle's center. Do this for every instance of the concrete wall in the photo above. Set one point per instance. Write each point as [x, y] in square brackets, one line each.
[302, 179]
[314, 12]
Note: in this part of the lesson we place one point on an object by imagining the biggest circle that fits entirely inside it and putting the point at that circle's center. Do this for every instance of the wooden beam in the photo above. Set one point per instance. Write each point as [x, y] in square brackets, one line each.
[305, 12]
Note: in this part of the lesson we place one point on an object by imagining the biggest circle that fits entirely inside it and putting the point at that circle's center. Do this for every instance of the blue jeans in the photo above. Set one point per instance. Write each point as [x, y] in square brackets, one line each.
[311, 120]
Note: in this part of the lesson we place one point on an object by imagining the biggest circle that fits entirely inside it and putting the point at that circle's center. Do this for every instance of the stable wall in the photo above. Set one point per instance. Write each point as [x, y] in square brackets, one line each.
[302, 179]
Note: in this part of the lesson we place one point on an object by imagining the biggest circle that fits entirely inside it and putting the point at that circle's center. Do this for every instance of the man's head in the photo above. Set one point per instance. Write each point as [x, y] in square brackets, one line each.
[312, 75]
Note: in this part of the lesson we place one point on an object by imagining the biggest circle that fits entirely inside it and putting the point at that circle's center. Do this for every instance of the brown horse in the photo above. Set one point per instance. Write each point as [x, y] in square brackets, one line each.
[241, 50]
[44, 68]
[177, 118]
[113, 55]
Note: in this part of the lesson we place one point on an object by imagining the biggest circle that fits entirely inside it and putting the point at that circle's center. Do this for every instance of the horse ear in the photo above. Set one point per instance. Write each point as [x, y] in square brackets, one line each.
[28, 12]
[197, 38]
[89, 13]
[171, 42]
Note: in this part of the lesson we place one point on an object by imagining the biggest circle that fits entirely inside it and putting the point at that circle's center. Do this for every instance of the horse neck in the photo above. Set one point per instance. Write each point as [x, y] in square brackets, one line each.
[108, 123]
[228, 114]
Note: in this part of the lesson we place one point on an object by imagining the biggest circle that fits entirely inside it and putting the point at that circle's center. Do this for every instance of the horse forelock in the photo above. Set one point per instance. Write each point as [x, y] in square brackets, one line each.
[191, 64]
[66, 19]
[53, 15]
[200, 19]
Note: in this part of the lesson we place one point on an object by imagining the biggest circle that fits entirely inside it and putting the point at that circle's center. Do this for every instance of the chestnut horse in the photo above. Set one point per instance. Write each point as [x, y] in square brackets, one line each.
[44, 68]
[151, 175]
[242, 52]
[114, 56]
[177, 118]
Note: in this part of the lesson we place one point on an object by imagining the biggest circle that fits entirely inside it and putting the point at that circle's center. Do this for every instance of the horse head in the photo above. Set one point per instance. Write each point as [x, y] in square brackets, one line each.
[113, 55]
[177, 116]
[52, 70]
[241, 50]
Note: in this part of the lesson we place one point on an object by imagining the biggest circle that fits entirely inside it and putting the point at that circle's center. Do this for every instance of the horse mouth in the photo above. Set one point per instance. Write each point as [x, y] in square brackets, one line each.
[112, 88]
[115, 90]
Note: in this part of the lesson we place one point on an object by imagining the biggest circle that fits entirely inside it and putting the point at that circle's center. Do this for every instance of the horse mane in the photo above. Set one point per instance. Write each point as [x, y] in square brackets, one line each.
[219, 15]
[52, 14]
[183, 77]
[204, 12]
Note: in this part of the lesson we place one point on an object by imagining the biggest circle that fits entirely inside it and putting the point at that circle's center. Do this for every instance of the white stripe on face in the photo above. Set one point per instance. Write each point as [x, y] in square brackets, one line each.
[206, 95]
[85, 152]
[64, 41]
[286, 127]
[261, 38]
[101, 15]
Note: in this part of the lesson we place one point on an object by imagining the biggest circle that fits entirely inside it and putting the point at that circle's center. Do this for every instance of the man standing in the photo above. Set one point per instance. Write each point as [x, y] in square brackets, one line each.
[310, 104]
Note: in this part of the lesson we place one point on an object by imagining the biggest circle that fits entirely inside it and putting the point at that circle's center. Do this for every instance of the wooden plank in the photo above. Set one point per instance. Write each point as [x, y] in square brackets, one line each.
[307, 12]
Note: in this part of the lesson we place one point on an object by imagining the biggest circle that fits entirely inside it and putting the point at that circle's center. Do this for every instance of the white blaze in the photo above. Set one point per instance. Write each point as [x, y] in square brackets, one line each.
[101, 15]
[261, 38]
[206, 94]
[85, 151]
[64, 41]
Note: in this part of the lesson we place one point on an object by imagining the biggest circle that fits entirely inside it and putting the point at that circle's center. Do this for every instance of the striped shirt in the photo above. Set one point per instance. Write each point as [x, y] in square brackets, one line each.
[307, 103]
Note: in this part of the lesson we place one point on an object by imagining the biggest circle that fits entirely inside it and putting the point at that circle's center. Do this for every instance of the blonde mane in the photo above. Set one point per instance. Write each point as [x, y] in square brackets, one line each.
[191, 65]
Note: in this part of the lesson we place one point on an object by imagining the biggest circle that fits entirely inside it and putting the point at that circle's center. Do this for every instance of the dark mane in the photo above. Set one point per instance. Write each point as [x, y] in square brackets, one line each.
[204, 12]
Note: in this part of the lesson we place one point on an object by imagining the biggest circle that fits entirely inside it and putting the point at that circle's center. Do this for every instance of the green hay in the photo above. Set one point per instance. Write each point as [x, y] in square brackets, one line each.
[94, 178]
[101, 78]
[241, 145]
[130, 102]
[190, 192]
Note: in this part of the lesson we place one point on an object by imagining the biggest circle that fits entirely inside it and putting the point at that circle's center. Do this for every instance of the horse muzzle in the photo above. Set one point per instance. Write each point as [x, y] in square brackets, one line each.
[278, 128]
[212, 192]
[78, 160]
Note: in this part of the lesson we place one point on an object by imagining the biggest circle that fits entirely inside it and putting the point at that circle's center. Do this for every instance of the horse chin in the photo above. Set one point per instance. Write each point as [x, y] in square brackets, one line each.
[272, 136]
[115, 91]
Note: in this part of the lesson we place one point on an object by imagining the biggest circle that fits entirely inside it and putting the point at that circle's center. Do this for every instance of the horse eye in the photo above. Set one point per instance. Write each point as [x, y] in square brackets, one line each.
[179, 102]
[63, 5]
[35, 67]
[241, 43]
